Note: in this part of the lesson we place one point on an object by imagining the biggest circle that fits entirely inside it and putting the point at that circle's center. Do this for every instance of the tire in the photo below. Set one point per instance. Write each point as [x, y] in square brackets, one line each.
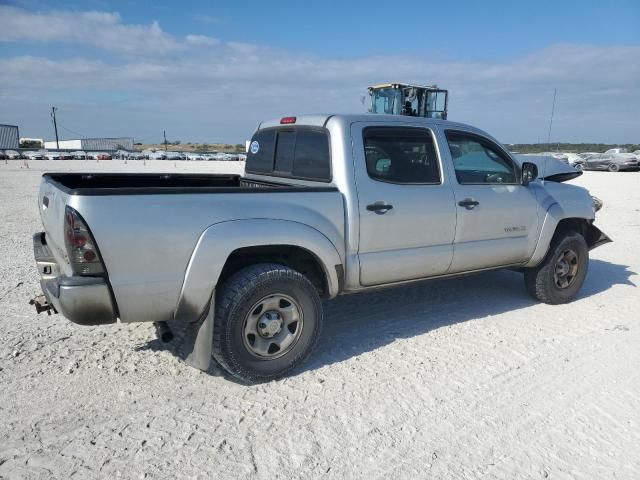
[579, 167]
[265, 295]
[541, 281]
[613, 167]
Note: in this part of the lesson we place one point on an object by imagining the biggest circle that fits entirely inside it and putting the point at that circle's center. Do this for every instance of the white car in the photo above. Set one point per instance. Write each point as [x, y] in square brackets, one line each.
[12, 154]
[175, 156]
[52, 156]
[195, 156]
[35, 154]
[121, 154]
[616, 151]
[157, 155]
[573, 158]
[79, 155]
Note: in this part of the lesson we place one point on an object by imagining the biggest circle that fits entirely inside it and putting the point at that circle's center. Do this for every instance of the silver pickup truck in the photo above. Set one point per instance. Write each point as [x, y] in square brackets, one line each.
[329, 204]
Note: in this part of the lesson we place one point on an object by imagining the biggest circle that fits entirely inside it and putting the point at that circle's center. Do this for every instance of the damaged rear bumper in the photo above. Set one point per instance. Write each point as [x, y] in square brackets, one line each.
[83, 300]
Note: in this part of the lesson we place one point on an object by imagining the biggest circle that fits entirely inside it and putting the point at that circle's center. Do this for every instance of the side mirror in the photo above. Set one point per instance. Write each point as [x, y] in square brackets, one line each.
[529, 173]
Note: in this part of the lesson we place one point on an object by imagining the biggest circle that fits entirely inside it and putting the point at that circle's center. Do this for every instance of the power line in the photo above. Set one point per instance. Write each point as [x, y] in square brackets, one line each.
[71, 131]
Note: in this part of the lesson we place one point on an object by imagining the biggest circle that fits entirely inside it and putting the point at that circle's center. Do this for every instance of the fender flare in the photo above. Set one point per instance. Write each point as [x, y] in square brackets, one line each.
[218, 241]
[555, 214]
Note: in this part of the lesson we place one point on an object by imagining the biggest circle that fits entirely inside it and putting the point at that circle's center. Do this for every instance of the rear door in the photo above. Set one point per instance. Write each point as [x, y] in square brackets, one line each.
[497, 217]
[405, 202]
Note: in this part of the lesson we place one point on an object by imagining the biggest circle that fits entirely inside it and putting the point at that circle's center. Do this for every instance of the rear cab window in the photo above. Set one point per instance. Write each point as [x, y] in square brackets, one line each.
[299, 152]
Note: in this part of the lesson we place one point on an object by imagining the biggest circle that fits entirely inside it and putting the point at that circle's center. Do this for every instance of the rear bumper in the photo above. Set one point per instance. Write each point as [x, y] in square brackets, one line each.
[83, 300]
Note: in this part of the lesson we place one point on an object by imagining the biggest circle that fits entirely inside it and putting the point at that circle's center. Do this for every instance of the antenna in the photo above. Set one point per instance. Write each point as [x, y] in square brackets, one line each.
[553, 109]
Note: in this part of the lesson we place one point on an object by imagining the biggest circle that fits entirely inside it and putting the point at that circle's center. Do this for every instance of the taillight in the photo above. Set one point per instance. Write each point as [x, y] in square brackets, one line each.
[81, 247]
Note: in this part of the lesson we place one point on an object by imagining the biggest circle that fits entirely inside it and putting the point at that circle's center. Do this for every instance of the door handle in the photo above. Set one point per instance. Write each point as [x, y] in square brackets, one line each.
[468, 203]
[379, 207]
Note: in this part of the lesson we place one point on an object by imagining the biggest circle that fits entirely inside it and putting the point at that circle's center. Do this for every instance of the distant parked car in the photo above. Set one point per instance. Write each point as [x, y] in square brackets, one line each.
[103, 156]
[175, 156]
[157, 155]
[12, 154]
[52, 156]
[613, 160]
[616, 151]
[79, 155]
[195, 156]
[136, 156]
[572, 157]
[121, 154]
[66, 155]
[2, 155]
[35, 154]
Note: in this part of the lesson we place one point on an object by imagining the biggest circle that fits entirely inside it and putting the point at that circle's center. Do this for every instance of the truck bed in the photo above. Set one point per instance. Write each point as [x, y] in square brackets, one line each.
[162, 183]
[147, 226]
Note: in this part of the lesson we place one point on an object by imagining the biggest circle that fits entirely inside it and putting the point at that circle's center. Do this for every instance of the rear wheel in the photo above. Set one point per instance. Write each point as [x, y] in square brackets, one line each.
[268, 320]
[562, 272]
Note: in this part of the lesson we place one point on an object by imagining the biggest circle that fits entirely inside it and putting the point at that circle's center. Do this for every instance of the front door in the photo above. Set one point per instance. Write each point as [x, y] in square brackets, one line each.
[497, 217]
[405, 202]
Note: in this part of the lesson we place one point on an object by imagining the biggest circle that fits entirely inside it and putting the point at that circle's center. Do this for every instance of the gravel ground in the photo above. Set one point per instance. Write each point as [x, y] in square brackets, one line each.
[466, 378]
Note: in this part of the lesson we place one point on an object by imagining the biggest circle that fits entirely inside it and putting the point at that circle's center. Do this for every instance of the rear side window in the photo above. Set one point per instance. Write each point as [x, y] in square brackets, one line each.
[401, 155]
[298, 152]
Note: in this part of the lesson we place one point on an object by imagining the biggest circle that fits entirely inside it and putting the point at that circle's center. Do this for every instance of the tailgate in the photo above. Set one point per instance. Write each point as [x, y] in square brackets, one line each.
[51, 204]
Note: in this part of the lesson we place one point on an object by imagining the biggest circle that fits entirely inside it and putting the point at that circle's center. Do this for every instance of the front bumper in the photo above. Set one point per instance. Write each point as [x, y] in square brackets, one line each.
[83, 300]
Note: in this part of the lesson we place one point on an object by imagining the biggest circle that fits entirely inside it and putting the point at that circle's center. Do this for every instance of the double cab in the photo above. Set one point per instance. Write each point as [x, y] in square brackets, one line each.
[328, 205]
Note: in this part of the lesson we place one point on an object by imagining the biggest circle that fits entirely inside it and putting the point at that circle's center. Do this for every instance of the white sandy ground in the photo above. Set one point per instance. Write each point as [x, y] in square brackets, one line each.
[466, 378]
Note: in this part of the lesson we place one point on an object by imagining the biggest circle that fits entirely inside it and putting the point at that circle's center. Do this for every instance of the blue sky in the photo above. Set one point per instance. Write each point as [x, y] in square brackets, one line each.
[210, 71]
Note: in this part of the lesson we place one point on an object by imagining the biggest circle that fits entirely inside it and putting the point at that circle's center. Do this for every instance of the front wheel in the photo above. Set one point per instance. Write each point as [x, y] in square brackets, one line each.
[268, 320]
[562, 272]
[613, 167]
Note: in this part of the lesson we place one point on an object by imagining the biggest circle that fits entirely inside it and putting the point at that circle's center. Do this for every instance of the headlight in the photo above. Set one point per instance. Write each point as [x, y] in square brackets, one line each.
[597, 203]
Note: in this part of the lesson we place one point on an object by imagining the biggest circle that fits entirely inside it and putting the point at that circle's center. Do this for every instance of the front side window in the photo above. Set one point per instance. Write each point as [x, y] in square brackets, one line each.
[476, 161]
[401, 155]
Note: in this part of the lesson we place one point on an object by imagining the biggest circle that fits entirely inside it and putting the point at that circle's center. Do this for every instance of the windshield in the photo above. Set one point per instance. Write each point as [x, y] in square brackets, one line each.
[386, 100]
[436, 104]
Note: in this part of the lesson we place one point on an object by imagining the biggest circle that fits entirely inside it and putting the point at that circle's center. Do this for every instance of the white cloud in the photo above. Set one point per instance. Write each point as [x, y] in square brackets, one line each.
[225, 89]
[201, 40]
[104, 30]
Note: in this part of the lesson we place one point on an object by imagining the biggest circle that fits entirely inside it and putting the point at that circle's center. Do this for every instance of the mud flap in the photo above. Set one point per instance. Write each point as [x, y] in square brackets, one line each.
[595, 237]
[197, 344]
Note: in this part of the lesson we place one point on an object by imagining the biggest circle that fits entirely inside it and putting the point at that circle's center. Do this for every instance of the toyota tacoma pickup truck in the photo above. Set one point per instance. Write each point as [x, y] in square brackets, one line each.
[328, 205]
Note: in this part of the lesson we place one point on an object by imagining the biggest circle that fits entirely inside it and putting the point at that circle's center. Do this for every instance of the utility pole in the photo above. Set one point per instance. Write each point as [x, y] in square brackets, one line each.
[165, 140]
[55, 126]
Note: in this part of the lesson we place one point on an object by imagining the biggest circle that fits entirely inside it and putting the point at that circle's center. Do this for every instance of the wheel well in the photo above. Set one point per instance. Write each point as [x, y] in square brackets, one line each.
[297, 258]
[569, 225]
